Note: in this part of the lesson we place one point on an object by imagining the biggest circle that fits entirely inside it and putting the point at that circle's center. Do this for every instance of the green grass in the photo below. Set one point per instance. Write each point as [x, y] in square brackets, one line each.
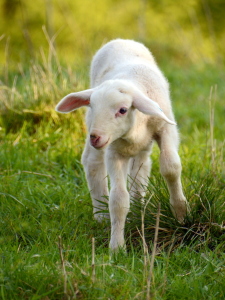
[43, 195]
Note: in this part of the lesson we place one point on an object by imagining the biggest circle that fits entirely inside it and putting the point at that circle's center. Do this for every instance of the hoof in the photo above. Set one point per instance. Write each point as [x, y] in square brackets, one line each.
[180, 210]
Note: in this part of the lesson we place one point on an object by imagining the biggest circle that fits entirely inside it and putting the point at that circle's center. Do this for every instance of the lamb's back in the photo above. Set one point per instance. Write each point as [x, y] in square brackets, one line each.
[118, 56]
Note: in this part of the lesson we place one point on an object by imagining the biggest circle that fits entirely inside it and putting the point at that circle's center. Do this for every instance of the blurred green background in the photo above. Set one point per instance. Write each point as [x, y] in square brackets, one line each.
[45, 50]
[190, 31]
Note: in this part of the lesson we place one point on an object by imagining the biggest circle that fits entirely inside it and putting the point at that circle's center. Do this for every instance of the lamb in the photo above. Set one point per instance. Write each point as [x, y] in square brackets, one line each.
[128, 108]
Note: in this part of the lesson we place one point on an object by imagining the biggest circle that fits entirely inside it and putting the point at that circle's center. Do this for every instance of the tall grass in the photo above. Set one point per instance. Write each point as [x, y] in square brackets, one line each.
[50, 245]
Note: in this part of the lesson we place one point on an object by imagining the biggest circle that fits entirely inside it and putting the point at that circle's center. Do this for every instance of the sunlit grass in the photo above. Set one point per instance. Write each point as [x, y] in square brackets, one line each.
[44, 195]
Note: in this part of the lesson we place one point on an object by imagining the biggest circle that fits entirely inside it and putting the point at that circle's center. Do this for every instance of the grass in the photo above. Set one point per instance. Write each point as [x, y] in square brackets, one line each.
[47, 228]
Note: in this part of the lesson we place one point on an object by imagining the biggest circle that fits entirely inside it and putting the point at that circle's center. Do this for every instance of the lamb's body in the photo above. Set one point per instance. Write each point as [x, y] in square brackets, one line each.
[125, 77]
[132, 61]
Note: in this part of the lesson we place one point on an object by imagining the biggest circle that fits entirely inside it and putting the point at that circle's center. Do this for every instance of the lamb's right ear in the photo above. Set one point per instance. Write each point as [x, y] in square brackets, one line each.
[74, 101]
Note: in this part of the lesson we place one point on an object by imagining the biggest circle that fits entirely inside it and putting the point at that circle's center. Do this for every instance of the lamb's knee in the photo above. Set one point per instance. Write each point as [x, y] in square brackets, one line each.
[119, 204]
[170, 167]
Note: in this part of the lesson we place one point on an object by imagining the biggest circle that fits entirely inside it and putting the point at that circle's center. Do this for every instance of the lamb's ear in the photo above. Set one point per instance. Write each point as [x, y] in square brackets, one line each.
[149, 107]
[74, 101]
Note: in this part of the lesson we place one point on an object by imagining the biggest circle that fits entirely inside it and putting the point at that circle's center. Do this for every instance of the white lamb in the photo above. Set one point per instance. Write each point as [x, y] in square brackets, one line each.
[128, 93]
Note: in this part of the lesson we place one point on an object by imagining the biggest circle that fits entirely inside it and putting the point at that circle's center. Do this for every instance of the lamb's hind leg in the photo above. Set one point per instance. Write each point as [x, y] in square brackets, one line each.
[170, 167]
[139, 171]
[94, 165]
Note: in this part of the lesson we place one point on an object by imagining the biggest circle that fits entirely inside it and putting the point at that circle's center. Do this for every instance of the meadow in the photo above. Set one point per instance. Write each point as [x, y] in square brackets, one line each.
[50, 245]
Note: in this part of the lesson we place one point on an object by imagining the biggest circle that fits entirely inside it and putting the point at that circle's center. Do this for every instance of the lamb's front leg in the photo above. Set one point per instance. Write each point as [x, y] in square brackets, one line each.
[94, 165]
[119, 199]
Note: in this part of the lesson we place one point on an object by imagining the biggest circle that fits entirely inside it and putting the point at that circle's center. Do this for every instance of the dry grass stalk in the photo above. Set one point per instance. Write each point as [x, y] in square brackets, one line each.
[149, 279]
[144, 246]
[63, 265]
[93, 260]
[212, 101]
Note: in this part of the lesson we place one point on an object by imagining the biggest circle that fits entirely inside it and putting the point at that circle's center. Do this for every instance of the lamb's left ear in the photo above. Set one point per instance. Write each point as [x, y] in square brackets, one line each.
[74, 101]
[149, 107]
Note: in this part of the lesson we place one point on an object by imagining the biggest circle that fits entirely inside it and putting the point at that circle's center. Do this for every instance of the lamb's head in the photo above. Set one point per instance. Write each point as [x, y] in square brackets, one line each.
[111, 110]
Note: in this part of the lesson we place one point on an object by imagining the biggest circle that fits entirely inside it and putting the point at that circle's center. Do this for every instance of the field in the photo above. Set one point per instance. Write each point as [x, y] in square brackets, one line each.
[50, 245]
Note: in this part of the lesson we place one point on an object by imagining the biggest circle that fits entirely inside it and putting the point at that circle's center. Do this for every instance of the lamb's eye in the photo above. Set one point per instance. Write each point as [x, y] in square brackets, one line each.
[123, 110]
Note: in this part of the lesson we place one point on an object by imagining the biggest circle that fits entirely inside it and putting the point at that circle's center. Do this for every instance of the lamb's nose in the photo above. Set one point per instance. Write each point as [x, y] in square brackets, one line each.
[94, 139]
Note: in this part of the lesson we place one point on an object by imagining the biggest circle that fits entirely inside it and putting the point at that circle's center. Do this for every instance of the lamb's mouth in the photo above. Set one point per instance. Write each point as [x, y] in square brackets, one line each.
[100, 147]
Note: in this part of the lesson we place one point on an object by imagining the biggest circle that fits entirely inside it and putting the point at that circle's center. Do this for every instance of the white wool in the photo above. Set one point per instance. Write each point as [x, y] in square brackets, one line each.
[129, 107]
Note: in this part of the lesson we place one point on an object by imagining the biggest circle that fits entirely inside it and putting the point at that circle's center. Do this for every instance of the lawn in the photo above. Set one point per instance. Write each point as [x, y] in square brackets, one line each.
[50, 245]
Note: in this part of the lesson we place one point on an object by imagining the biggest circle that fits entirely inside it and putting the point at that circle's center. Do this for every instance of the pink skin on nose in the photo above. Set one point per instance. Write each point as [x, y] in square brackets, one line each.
[97, 141]
[94, 140]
